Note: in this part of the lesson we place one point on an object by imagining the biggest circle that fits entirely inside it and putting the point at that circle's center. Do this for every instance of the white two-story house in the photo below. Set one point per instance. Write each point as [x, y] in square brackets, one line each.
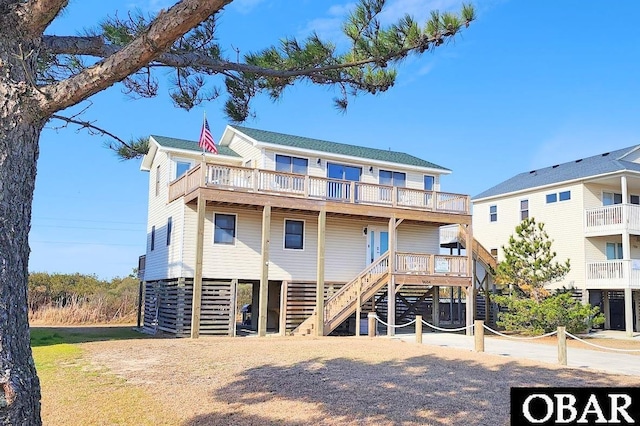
[323, 231]
[590, 208]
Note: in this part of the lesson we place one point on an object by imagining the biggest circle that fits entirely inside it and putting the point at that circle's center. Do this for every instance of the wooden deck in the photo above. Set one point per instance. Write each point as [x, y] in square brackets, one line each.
[238, 180]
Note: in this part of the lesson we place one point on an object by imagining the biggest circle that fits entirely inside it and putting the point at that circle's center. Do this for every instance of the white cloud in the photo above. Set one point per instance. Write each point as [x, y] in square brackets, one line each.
[151, 6]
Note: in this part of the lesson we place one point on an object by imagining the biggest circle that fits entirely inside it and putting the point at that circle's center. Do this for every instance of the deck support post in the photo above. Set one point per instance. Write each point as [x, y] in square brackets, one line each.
[391, 295]
[322, 225]
[197, 276]
[637, 304]
[435, 306]
[606, 310]
[359, 307]
[284, 289]
[628, 311]
[264, 277]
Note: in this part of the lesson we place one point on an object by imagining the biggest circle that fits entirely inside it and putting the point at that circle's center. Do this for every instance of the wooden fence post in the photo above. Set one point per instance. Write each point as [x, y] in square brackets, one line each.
[371, 328]
[562, 346]
[478, 333]
[418, 328]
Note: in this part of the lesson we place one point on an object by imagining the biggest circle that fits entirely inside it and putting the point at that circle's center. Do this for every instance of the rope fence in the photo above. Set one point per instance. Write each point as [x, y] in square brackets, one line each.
[480, 326]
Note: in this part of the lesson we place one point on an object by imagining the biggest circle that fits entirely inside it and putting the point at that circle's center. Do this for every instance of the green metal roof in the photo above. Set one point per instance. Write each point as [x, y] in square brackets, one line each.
[336, 148]
[191, 145]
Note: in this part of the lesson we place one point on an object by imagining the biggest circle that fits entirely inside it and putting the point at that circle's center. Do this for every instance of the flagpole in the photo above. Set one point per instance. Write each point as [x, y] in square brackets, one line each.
[204, 120]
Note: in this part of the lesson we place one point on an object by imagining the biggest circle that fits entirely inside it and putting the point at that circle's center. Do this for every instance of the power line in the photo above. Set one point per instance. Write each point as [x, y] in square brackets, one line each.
[87, 220]
[86, 243]
[86, 227]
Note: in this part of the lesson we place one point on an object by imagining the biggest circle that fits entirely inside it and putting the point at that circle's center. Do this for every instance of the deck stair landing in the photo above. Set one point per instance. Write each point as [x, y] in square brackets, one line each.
[343, 303]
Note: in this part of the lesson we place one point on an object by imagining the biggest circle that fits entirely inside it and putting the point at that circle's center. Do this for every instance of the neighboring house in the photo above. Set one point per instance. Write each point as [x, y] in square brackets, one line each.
[295, 217]
[590, 208]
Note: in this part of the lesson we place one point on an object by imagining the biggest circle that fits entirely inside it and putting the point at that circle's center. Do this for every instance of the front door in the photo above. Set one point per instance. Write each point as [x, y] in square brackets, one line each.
[377, 242]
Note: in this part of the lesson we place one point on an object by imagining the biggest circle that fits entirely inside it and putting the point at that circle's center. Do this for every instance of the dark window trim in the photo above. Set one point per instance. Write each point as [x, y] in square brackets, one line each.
[235, 228]
[284, 245]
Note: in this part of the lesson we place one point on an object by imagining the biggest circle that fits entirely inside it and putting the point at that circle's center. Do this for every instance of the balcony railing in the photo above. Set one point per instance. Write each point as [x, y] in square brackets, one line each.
[431, 264]
[613, 274]
[612, 219]
[312, 187]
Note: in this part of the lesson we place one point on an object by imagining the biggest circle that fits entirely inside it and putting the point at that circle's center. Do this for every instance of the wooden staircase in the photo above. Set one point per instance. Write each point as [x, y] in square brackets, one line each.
[344, 303]
[479, 251]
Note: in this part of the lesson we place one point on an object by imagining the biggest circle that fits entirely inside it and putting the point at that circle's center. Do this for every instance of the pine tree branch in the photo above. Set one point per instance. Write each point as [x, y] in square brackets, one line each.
[95, 46]
[89, 125]
[38, 14]
[164, 30]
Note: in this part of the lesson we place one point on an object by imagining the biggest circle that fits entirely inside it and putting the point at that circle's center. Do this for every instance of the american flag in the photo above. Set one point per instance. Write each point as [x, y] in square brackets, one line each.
[206, 140]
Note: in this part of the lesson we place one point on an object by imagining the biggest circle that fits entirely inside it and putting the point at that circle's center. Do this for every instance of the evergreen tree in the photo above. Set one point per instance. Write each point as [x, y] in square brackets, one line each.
[529, 261]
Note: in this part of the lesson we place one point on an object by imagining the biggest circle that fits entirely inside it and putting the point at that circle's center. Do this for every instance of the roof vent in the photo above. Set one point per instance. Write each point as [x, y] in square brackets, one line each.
[577, 161]
[532, 172]
[555, 166]
[605, 154]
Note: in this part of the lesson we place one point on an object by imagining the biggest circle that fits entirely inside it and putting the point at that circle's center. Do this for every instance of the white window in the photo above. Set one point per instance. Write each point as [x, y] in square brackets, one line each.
[294, 234]
[224, 228]
[614, 251]
[552, 198]
[524, 209]
[389, 178]
[169, 229]
[429, 182]
[564, 196]
[157, 181]
[181, 166]
[634, 199]
[493, 213]
[286, 163]
[611, 198]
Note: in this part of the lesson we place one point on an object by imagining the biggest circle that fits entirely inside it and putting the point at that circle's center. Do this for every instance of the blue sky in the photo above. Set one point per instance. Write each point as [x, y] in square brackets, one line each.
[529, 84]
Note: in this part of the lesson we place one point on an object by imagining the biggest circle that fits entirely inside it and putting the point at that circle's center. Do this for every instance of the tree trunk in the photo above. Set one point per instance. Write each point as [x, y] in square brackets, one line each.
[20, 126]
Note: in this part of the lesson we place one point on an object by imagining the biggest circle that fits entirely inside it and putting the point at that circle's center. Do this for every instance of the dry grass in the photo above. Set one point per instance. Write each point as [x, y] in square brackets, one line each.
[79, 310]
[296, 381]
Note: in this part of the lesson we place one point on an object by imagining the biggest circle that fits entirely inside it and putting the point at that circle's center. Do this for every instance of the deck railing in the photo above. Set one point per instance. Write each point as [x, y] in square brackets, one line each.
[614, 218]
[289, 184]
[612, 274]
[431, 264]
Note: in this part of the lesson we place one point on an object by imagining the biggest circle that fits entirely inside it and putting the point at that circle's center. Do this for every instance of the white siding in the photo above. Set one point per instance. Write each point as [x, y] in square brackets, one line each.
[164, 261]
[416, 238]
[246, 150]
[345, 256]
[563, 222]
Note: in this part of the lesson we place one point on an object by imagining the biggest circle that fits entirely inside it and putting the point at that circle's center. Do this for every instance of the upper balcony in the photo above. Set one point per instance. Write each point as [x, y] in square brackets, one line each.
[613, 219]
[282, 184]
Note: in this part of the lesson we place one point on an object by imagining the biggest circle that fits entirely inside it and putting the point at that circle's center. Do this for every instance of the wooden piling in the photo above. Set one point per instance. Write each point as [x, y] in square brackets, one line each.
[419, 329]
[478, 334]
[562, 346]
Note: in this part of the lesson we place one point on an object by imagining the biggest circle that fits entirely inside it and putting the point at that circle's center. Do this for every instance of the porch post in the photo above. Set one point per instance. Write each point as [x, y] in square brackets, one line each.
[197, 275]
[264, 276]
[605, 308]
[435, 306]
[322, 225]
[391, 298]
[628, 311]
[637, 304]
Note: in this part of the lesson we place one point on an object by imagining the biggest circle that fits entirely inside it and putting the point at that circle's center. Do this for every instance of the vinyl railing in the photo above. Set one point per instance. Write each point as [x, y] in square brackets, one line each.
[613, 274]
[612, 218]
[289, 184]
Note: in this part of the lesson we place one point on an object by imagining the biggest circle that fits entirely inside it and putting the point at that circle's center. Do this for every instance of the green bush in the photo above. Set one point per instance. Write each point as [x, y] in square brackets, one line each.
[527, 316]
